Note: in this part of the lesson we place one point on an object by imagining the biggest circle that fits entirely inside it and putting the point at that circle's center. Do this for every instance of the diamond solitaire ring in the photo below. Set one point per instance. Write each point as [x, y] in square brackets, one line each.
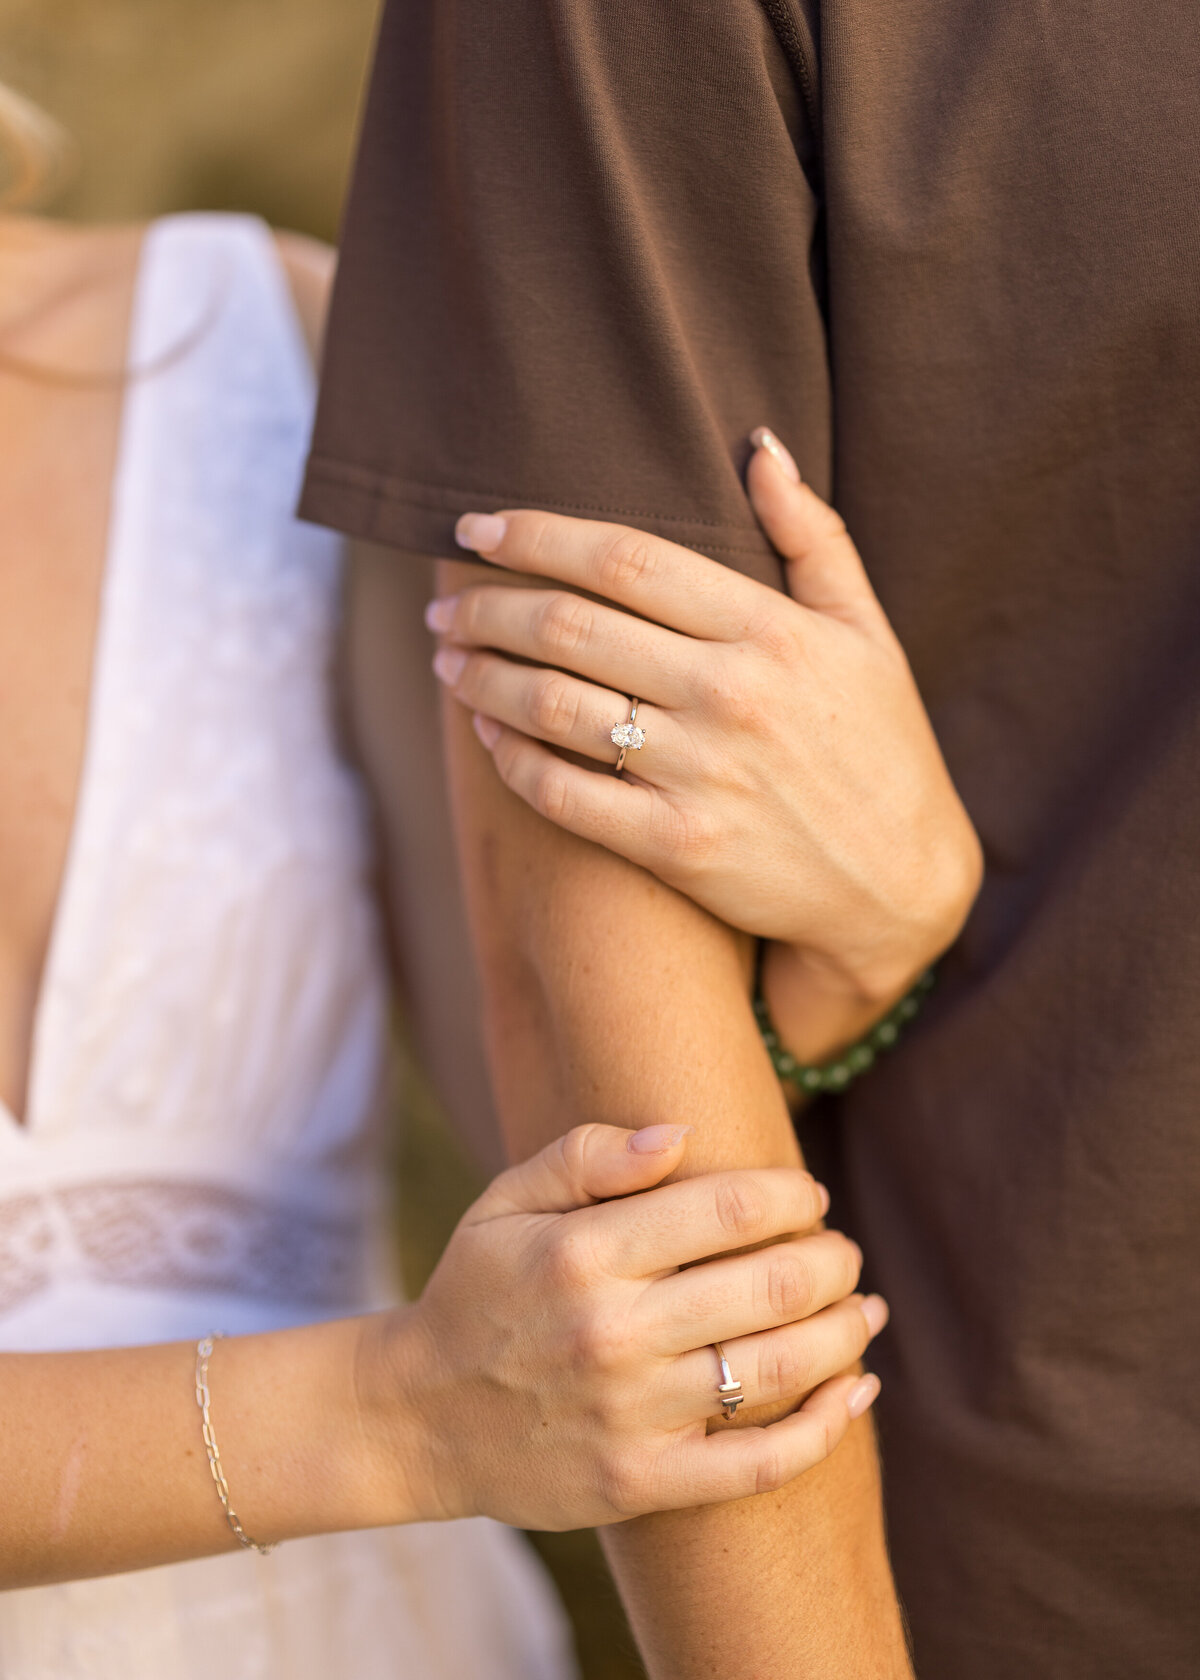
[729, 1388]
[626, 736]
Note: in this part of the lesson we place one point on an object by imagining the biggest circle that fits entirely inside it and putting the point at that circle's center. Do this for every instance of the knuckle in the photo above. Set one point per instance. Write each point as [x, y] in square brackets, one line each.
[598, 1343]
[857, 1336]
[553, 703]
[826, 1440]
[551, 794]
[740, 701]
[700, 835]
[466, 615]
[570, 1263]
[624, 560]
[471, 685]
[851, 1259]
[507, 757]
[687, 833]
[789, 1286]
[778, 640]
[563, 624]
[771, 1473]
[627, 1482]
[575, 1148]
[741, 1207]
[829, 523]
[789, 1367]
[533, 532]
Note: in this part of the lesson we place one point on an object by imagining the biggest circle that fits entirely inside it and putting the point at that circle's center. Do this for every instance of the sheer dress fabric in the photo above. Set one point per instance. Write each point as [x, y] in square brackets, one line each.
[202, 1147]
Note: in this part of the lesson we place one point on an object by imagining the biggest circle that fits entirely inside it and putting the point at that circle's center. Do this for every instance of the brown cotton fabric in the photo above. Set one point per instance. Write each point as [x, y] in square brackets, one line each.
[949, 250]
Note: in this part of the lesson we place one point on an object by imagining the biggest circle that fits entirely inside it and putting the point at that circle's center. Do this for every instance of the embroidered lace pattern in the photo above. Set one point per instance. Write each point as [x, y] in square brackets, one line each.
[148, 1234]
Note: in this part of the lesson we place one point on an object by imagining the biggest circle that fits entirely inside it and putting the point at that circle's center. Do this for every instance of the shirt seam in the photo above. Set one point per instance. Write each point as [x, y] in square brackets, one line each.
[797, 49]
[384, 487]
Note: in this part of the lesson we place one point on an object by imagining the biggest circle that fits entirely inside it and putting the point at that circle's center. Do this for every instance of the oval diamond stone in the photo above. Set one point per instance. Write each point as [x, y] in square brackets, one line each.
[630, 735]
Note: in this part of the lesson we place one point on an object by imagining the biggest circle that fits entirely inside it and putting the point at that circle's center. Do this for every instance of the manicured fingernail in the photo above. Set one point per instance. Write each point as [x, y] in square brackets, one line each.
[484, 532]
[823, 1199]
[448, 664]
[439, 615]
[875, 1311]
[762, 438]
[487, 729]
[862, 1396]
[656, 1140]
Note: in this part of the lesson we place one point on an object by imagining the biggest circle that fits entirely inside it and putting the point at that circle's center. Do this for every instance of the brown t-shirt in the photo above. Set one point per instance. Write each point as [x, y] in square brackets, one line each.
[949, 250]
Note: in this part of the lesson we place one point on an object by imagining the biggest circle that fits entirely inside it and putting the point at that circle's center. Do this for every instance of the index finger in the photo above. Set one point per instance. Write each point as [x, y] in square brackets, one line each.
[653, 577]
[646, 1235]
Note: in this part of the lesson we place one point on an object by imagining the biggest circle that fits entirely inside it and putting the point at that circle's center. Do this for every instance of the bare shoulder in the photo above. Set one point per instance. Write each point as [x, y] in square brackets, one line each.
[310, 266]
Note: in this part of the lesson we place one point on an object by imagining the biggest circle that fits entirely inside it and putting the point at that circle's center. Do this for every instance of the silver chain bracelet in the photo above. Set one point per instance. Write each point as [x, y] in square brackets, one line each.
[204, 1401]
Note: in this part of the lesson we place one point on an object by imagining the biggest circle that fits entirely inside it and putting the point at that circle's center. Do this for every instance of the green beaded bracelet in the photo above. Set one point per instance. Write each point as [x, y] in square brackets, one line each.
[836, 1075]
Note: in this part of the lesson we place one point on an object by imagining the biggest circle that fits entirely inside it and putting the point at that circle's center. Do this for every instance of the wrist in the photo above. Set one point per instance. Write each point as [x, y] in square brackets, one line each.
[392, 1459]
[412, 1455]
[821, 1000]
[819, 1011]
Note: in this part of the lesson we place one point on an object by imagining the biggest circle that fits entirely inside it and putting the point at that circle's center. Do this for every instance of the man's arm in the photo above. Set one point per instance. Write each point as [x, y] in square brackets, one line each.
[576, 272]
[391, 712]
[609, 997]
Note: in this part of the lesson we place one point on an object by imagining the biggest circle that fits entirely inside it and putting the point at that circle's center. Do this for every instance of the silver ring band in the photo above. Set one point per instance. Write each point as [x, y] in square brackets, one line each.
[729, 1389]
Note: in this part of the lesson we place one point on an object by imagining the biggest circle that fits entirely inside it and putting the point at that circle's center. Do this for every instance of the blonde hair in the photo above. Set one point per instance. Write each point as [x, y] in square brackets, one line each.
[35, 152]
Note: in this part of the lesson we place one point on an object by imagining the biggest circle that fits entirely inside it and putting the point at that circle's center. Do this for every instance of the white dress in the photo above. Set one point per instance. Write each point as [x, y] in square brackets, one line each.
[203, 1142]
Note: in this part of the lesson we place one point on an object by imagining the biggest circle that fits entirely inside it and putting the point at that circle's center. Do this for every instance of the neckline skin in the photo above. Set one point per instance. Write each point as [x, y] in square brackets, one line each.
[67, 296]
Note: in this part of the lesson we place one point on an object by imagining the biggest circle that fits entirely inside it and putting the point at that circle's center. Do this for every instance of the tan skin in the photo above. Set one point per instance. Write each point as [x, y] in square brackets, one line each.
[801, 795]
[54, 515]
[363, 1421]
[576, 946]
[791, 784]
[790, 1583]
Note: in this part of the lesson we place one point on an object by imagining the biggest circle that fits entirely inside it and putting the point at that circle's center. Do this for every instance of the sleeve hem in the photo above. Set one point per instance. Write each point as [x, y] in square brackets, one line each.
[399, 513]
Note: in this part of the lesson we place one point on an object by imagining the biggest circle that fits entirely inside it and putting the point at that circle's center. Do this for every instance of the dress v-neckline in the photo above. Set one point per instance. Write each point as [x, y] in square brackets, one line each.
[23, 1125]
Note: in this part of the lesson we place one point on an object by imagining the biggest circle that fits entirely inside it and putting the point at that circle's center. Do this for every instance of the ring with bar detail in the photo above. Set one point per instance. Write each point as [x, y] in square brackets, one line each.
[628, 736]
[728, 1388]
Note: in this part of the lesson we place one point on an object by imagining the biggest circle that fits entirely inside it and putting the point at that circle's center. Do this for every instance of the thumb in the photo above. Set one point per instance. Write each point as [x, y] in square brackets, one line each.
[590, 1164]
[824, 571]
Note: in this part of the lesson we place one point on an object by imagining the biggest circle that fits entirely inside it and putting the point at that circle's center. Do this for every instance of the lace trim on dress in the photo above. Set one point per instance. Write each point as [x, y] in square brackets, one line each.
[156, 1234]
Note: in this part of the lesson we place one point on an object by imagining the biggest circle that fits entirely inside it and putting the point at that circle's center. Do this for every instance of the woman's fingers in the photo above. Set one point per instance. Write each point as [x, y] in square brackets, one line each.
[558, 708]
[555, 627]
[776, 1365]
[588, 1164]
[675, 1224]
[609, 811]
[824, 570]
[746, 1293]
[653, 577]
[735, 1463]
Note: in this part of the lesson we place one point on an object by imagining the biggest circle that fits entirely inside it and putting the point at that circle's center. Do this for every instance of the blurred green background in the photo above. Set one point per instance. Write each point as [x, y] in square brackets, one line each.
[251, 105]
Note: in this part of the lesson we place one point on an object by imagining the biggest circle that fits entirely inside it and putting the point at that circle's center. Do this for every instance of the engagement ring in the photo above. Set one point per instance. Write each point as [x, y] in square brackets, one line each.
[627, 736]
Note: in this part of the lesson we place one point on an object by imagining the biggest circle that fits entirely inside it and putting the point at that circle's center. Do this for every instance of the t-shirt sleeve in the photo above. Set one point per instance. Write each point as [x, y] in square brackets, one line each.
[577, 270]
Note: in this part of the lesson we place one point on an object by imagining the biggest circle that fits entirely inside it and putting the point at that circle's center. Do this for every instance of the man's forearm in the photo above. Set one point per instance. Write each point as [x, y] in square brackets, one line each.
[609, 997]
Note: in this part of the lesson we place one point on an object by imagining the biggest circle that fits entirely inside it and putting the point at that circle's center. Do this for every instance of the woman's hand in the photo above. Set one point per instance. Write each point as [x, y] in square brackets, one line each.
[554, 1374]
[790, 780]
[558, 1370]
